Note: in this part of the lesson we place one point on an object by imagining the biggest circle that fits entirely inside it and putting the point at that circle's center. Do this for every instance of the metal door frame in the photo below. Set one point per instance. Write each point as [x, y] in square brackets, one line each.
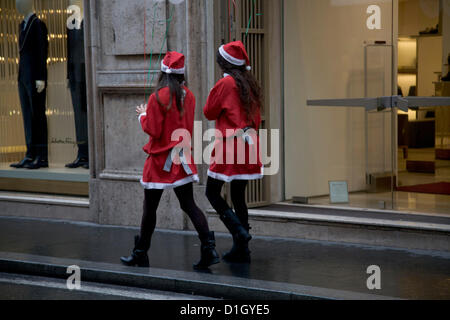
[381, 104]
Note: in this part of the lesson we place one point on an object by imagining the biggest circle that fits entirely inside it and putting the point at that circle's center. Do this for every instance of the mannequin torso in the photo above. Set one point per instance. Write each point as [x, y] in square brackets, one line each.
[75, 43]
[25, 7]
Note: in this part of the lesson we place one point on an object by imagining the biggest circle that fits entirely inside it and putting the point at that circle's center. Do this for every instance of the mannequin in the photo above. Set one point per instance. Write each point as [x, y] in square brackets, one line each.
[76, 75]
[26, 9]
[33, 47]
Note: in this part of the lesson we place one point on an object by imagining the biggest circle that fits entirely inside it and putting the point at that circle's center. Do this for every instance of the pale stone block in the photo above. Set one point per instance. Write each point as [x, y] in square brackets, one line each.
[123, 26]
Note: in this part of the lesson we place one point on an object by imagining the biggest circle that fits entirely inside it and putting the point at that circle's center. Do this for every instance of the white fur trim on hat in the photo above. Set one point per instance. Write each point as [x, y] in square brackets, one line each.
[166, 69]
[230, 58]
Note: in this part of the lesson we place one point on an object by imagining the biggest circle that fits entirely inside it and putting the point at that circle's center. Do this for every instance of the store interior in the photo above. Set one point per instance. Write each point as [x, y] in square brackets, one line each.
[424, 133]
[62, 138]
[423, 69]
[335, 139]
[377, 152]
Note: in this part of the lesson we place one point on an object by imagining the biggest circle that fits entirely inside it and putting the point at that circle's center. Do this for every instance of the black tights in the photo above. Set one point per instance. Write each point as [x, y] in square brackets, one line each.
[185, 195]
[213, 193]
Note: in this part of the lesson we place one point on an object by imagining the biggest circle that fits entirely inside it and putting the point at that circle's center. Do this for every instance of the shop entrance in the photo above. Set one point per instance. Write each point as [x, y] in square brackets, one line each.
[344, 106]
[423, 132]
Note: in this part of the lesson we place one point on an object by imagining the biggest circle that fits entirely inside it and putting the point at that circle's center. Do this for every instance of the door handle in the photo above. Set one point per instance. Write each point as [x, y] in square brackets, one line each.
[383, 103]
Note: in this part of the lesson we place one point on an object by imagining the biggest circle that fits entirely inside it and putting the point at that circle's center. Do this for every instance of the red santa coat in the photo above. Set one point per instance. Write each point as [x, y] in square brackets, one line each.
[224, 106]
[160, 124]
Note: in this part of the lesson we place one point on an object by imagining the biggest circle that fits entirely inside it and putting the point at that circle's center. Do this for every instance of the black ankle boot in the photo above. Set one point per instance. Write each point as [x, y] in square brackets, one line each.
[240, 252]
[138, 258]
[234, 225]
[209, 255]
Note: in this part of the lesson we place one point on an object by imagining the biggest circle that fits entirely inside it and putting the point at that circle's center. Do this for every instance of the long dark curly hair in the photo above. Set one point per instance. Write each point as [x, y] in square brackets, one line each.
[175, 82]
[250, 91]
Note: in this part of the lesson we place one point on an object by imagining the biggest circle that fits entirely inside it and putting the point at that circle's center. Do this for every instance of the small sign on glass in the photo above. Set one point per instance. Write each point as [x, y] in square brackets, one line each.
[339, 192]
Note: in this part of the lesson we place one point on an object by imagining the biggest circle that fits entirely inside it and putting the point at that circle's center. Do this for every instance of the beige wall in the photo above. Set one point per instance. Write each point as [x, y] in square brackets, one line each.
[118, 80]
[324, 59]
[429, 61]
[417, 15]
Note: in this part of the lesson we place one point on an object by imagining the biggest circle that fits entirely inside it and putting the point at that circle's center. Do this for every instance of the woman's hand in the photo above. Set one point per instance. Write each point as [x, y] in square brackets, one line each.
[141, 109]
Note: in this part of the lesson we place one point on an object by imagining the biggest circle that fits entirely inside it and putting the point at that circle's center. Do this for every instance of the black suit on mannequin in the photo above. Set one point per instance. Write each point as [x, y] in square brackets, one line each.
[76, 73]
[33, 45]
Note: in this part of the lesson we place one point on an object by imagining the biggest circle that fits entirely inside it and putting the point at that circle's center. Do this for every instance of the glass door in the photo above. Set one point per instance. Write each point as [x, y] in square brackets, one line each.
[339, 63]
[424, 136]
[355, 136]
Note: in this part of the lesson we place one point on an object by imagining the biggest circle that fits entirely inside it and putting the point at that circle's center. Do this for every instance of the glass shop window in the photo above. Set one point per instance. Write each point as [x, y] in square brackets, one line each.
[43, 105]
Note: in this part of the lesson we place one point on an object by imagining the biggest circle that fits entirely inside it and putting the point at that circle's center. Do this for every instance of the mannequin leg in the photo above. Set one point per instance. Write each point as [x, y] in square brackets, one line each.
[79, 101]
[27, 115]
[40, 129]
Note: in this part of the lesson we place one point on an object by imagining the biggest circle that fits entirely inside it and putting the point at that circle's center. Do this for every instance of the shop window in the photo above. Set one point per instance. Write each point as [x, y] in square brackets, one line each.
[46, 124]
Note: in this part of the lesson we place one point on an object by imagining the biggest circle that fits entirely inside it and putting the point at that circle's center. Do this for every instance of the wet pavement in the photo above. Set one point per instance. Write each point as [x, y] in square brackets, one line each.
[23, 287]
[404, 273]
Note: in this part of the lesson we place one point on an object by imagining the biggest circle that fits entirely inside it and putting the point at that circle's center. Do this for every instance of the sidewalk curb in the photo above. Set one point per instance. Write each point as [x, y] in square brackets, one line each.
[377, 232]
[214, 286]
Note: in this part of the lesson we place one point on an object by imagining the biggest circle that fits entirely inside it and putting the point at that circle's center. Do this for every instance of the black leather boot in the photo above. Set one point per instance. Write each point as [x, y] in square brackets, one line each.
[209, 255]
[138, 258]
[234, 225]
[239, 253]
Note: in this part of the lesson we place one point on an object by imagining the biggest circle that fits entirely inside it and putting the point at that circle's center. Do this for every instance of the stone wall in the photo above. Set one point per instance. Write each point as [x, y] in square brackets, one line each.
[118, 81]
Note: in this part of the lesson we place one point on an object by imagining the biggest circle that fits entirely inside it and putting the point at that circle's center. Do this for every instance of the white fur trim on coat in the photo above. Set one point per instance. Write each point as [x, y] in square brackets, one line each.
[226, 178]
[142, 115]
[165, 186]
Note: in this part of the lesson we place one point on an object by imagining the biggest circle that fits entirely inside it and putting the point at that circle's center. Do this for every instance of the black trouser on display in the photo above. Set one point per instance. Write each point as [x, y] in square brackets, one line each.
[185, 195]
[79, 101]
[34, 121]
[236, 222]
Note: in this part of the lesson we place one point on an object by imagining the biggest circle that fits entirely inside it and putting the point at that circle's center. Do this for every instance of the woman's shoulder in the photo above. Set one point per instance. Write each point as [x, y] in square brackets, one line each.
[165, 91]
[227, 80]
[225, 84]
[160, 98]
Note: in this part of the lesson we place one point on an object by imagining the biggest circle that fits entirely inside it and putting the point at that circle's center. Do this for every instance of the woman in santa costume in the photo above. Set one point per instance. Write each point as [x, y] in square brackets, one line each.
[235, 104]
[170, 165]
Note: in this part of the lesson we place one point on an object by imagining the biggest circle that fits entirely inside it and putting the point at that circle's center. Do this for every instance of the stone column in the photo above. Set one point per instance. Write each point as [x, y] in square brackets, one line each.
[118, 81]
[197, 77]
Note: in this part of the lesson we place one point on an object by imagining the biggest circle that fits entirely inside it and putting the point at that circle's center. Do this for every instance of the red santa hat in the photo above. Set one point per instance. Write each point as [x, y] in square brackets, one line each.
[235, 53]
[173, 63]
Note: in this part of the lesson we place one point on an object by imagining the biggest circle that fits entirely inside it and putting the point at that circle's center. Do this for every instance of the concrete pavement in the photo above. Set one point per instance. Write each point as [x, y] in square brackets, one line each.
[304, 269]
